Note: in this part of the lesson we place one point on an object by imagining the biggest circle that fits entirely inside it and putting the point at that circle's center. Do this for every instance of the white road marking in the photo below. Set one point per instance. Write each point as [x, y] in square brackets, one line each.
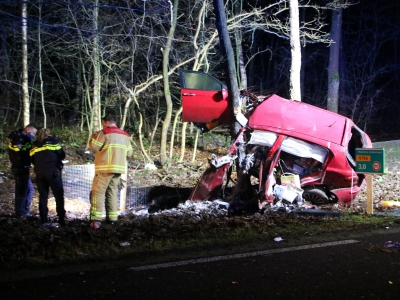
[241, 255]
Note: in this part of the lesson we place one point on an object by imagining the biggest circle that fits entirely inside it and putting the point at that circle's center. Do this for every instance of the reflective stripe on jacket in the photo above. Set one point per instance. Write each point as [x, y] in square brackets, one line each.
[18, 149]
[111, 147]
[47, 155]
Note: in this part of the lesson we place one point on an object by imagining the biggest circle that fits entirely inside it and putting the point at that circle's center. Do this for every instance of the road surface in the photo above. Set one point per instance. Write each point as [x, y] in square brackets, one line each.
[354, 267]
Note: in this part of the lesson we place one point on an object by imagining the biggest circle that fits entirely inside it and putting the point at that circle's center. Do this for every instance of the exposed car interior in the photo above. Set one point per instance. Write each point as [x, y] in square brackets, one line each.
[356, 141]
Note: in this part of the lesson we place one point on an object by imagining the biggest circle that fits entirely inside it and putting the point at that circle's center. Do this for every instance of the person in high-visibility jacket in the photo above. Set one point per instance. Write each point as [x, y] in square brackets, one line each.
[47, 157]
[111, 146]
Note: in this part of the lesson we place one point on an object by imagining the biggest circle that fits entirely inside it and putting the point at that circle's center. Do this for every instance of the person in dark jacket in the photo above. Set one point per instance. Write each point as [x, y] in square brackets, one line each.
[46, 156]
[18, 150]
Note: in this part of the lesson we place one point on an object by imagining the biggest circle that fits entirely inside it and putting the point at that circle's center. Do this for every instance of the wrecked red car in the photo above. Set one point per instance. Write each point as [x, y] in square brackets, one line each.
[281, 139]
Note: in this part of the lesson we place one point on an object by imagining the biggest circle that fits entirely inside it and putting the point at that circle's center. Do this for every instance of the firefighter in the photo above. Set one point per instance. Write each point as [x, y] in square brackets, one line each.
[111, 146]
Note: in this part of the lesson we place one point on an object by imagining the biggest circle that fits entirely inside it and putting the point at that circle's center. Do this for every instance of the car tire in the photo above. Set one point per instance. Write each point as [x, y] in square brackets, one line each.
[316, 196]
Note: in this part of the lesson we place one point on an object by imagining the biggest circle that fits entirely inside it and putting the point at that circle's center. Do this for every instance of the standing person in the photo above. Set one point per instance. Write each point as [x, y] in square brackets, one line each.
[18, 150]
[111, 147]
[47, 155]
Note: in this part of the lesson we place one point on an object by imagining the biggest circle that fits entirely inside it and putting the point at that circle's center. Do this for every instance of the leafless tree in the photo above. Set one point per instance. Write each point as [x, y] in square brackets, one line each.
[167, 94]
[295, 69]
[227, 51]
[96, 112]
[108, 54]
[333, 67]
[25, 83]
[367, 73]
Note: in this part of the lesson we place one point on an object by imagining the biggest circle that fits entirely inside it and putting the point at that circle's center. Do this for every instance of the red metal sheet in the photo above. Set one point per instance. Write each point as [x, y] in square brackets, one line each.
[210, 183]
[204, 106]
[286, 116]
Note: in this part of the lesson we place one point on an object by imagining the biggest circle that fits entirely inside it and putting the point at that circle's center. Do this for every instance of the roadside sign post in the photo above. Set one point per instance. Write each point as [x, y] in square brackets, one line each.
[370, 161]
[370, 194]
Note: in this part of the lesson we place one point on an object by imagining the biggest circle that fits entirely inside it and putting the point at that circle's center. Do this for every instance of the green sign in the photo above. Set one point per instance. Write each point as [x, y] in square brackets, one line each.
[370, 160]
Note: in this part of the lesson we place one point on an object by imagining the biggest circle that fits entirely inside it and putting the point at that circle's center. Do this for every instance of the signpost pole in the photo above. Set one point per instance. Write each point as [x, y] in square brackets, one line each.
[370, 198]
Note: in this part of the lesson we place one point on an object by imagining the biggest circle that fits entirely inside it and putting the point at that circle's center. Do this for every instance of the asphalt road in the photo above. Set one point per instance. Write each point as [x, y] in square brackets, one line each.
[359, 267]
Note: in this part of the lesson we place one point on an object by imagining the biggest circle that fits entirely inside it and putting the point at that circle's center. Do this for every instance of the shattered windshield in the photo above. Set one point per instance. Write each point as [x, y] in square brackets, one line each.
[304, 149]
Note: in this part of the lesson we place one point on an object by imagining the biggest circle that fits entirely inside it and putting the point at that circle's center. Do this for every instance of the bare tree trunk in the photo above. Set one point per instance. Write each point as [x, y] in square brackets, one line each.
[183, 143]
[176, 120]
[96, 112]
[25, 88]
[156, 122]
[333, 68]
[295, 92]
[239, 49]
[200, 59]
[141, 138]
[40, 68]
[167, 92]
[241, 62]
[195, 146]
[227, 52]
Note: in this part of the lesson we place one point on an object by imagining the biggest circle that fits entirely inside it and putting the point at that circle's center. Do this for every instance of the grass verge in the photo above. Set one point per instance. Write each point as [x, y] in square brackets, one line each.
[28, 244]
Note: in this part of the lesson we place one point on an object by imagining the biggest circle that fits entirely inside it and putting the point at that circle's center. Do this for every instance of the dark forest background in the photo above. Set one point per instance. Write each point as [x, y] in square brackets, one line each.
[124, 41]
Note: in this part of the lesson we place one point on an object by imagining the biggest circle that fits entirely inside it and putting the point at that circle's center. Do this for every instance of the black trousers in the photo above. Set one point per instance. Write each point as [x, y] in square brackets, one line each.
[50, 179]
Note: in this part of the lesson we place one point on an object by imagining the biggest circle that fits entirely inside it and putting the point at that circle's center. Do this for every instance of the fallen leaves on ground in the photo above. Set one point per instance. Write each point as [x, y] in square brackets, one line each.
[27, 242]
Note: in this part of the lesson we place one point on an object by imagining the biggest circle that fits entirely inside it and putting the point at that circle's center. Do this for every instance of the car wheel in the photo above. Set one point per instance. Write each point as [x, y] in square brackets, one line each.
[316, 196]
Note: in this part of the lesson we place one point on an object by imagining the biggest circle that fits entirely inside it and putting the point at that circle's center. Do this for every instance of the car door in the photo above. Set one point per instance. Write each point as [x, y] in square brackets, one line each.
[204, 98]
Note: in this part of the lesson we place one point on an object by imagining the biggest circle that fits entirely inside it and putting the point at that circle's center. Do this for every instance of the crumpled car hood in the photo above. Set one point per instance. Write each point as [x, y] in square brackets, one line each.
[283, 116]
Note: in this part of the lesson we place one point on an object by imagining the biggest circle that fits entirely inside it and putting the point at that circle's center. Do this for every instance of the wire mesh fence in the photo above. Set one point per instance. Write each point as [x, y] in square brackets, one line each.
[77, 180]
[137, 196]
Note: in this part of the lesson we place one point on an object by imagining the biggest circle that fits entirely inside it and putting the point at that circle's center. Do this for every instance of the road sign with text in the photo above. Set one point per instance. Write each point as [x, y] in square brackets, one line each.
[370, 160]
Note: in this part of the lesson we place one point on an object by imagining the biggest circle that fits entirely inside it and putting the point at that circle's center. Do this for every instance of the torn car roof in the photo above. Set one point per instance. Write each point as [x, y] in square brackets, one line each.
[280, 115]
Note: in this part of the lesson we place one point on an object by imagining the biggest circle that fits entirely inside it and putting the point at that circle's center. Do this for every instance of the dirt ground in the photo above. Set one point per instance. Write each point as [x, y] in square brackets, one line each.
[26, 235]
[185, 175]
[182, 175]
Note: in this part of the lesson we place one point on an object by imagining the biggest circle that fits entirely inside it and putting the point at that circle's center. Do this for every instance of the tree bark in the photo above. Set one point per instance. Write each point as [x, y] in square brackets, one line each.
[241, 65]
[295, 70]
[167, 92]
[174, 126]
[96, 113]
[333, 68]
[227, 52]
[40, 68]
[25, 87]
